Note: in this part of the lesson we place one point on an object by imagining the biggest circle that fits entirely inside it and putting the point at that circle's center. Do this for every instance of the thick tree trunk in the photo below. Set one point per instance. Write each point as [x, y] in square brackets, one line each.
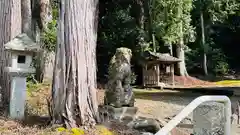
[74, 85]
[181, 67]
[43, 15]
[10, 26]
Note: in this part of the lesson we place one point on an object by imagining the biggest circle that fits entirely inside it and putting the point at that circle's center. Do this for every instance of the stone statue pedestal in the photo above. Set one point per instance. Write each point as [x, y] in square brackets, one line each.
[128, 116]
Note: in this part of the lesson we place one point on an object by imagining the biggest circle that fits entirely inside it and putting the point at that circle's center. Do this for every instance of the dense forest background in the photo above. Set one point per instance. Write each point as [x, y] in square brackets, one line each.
[209, 31]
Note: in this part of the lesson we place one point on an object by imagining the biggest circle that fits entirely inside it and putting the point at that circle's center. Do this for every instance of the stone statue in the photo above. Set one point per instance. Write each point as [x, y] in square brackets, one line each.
[119, 97]
[119, 91]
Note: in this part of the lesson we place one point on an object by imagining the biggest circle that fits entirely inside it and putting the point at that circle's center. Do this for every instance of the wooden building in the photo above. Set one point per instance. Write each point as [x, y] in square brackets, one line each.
[158, 69]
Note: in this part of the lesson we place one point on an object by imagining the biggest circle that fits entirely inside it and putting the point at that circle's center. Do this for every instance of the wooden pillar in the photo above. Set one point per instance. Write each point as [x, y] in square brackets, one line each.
[158, 75]
[144, 68]
[172, 72]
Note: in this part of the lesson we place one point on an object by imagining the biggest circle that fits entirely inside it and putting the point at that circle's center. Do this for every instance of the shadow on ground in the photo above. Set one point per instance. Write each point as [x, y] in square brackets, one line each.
[34, 120]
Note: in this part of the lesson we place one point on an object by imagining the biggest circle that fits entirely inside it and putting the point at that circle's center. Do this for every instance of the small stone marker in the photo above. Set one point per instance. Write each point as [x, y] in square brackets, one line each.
[21, 49]
[209, 119]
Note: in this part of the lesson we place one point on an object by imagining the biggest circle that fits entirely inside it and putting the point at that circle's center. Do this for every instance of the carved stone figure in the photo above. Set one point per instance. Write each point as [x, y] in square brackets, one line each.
[119, 97]
[119, 91]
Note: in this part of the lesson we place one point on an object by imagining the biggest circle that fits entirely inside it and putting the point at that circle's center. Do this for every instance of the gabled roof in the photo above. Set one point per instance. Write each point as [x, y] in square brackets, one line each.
[161, 57]
[22, 43]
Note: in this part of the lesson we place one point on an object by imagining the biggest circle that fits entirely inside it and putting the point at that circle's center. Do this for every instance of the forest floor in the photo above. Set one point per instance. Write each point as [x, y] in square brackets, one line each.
[159, 104]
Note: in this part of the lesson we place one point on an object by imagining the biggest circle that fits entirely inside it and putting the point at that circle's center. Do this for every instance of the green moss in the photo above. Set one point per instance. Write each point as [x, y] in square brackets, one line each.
[228, 82]
[35, 87]
[104, 131]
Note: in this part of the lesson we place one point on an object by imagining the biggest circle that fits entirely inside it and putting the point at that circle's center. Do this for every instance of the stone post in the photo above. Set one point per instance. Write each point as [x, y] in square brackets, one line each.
[209, 119]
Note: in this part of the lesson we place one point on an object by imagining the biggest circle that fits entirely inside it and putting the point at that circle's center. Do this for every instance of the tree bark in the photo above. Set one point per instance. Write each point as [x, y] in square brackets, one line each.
[10, 26]
[26, 17]
[45, 12]
[42, 15]
[182, 70]
[203, 43]
[181, 67]
[74, 85]
[47, 57]
[48, 66]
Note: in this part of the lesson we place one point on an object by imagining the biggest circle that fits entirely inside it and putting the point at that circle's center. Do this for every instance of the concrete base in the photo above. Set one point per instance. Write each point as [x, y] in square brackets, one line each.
[17, 97]
[209, 119]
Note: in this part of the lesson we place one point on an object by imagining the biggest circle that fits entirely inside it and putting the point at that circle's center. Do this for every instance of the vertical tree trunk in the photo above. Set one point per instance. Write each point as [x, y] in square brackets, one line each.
[5, 34]
[180, 48]
[203, 43]
[181, 67]
[43, 15]
[74, 86]
[140, 4]
[47, 57]
[149, 18]
[48, 66]
[26, 17]
[170, 49]
[45, 12]
[10, 26]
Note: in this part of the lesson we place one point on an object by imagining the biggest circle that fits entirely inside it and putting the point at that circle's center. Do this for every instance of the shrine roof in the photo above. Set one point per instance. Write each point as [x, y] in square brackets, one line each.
[161, 57]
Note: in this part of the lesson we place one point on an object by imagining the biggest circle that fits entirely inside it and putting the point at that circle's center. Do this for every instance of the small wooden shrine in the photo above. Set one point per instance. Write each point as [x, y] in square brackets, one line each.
[158, 69]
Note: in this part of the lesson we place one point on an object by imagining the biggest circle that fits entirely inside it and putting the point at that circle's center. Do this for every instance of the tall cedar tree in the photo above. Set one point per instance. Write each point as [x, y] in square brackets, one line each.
[74, 84]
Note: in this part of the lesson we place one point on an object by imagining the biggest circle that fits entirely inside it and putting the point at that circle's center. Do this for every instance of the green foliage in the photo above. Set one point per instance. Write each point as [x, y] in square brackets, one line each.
[49, 36]
[219, 10]
[216, 62]
[221, 68]
[168, 16]
[119, 27]
[215, 14]
[31, 87]
[133, 78]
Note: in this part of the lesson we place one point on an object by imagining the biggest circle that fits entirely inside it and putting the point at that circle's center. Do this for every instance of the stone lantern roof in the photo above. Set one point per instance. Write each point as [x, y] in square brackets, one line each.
[22, 43]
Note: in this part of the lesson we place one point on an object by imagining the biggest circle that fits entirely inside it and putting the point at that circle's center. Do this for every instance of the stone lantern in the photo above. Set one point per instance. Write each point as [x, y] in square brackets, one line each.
[22, 49]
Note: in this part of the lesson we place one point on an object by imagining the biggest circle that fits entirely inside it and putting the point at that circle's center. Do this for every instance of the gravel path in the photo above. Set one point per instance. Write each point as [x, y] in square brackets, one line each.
[168, 103]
